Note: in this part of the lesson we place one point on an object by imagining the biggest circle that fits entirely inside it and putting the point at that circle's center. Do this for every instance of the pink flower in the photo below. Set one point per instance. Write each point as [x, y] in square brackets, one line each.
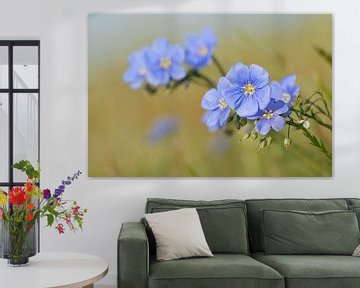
[60, 228]
[1, 214]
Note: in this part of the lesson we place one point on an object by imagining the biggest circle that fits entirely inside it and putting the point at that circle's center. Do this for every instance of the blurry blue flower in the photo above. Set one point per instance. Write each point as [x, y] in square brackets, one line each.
[217, 109]
[286, 91]
[137, 71]
[164, 62]
[200, 48]
[219, 145]
[161, 128]
[270, 117]
[246, 89]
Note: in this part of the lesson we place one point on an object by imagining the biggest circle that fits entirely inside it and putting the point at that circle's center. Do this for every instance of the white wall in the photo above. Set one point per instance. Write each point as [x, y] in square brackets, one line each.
[62, 28]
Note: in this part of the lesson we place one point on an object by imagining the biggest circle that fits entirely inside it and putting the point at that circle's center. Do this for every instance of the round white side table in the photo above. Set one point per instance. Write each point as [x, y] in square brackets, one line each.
[50, 270]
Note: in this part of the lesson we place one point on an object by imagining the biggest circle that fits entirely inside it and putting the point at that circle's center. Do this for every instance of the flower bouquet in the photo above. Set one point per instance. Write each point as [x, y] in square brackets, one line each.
[21, 208]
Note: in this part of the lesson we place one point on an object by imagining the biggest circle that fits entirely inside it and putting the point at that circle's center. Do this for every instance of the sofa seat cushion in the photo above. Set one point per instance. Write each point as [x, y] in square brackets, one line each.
[314, 271]
[222, 270]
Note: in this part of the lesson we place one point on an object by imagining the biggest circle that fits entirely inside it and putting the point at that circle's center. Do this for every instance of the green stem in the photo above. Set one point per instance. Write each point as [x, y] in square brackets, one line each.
[313, 140]
[328, 126]
[219, 66]
[208, 81]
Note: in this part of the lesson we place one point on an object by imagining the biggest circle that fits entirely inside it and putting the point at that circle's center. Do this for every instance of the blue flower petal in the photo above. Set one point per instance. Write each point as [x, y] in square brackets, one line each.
[212, 117]
[263, 126]
[129, 74]
[177, 72]
[239, 73]
[209, 37]
[288, 81]
[295, 91]
[154, 77]
[164, 78]
[263, 96]
[280, 107]
[248, 106]
[224, 115]
[276, 91]
[136, 83]
[259, 77]
[230, 91]
[176, 53]
[160, 45]
[257, 115]
[277, 123]
[210, 100]
[152, 58]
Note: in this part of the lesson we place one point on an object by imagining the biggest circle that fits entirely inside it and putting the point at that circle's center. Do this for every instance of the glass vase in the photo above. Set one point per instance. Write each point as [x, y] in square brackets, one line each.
[18, 242]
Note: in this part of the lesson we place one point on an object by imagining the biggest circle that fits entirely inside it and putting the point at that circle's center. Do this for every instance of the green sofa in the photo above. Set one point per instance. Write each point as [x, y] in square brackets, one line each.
[233, 230]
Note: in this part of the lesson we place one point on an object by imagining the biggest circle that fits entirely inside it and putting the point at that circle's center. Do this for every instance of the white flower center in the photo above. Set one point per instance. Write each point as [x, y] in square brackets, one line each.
[203, 51]
[286, 97]
[222, 104]
[249, 89]
[142, 71]
[268, 115]
[165, 63]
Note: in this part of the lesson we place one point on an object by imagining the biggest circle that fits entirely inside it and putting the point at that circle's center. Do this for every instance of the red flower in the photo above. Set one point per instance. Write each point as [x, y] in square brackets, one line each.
[17, 196]
[60, 228]
[29, 217]
[29, 206]
[27, 196]
[29, 186]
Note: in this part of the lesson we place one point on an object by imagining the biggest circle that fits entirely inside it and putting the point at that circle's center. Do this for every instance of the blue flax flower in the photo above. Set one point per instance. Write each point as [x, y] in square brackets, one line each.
[270, 117]
[246, 89]
[137, 71]
[200, 48]
[164, 62]
[217, 109]
[162, 128]
[286, 91]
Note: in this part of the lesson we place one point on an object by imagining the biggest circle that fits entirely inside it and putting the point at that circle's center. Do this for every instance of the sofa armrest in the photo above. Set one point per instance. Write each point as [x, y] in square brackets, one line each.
[133, 256]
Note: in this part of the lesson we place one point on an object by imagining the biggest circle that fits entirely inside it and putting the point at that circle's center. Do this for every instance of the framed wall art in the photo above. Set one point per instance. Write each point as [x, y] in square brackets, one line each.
[210, 95]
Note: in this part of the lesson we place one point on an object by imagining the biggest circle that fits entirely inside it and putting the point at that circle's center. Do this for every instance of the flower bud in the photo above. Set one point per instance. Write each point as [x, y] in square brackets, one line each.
[253, 136]
[268, 141]
[246, 136]
[306, 124]
[287, 142]
[262, 143]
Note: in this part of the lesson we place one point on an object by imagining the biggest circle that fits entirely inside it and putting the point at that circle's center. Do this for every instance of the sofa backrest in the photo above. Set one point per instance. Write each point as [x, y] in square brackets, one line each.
[223, 221]
[256, 205]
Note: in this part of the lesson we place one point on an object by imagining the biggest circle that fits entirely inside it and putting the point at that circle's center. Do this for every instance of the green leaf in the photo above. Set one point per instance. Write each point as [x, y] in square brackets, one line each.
[26, 167]
[50, 219]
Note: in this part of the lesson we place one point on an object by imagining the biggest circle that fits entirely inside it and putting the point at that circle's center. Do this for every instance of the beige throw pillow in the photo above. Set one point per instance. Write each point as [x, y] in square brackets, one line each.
[178, 234]
[357, 251]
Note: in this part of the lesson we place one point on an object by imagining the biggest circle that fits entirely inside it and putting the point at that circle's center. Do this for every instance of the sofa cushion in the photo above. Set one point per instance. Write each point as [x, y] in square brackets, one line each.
[178, 234]
[254, 206]
[223, 221]
[314, 271]
[222, 270]
[297, 232]
[356, 209]
[353, 201]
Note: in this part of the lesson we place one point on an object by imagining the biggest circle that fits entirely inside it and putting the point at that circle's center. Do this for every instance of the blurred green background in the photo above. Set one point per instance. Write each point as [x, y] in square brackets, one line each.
[120, 118]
